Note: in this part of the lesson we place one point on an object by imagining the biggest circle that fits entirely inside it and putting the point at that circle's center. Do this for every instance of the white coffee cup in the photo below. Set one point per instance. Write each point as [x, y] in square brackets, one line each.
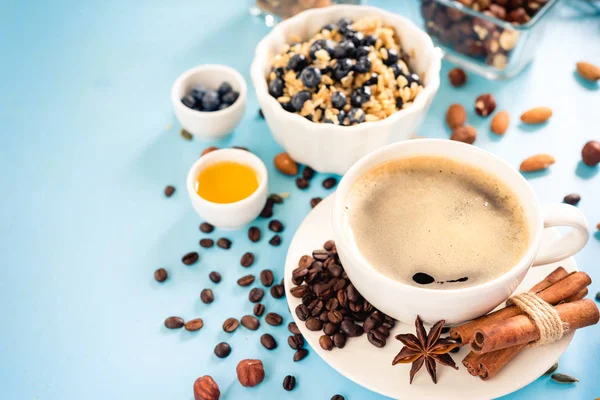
[404, 302]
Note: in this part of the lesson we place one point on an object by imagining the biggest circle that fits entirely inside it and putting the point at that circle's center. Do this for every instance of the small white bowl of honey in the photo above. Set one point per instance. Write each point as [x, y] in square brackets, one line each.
[228, 187]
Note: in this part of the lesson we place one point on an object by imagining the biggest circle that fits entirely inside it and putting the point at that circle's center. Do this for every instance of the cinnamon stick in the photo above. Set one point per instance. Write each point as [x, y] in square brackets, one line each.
[487, 365]
[521, 330]
[555, 288]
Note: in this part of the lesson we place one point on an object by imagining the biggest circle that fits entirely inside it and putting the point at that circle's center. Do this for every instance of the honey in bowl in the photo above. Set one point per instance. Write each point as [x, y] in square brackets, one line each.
[226, 182]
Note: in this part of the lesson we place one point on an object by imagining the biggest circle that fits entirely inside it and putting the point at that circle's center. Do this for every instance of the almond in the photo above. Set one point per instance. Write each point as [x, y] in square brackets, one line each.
[456, 116]
[588, 71]
[500, 122]
[537, 163]
[285, 164]
[208, 150]
[536, 115]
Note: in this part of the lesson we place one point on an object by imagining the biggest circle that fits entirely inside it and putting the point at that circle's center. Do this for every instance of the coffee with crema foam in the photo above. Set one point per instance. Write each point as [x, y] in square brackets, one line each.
[435, 222]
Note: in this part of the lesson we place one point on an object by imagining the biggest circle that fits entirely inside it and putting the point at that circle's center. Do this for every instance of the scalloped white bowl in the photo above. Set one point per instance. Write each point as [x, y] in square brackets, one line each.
[332, 148]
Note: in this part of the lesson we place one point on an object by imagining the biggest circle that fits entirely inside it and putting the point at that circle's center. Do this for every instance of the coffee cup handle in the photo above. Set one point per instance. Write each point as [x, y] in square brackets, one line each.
[572, 242]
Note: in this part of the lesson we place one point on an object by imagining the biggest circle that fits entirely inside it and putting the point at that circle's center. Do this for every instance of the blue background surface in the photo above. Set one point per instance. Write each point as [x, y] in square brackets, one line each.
[86, 152]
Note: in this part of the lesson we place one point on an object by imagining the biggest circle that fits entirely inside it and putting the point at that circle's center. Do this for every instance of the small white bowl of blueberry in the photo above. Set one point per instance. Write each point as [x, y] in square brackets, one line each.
[209, 100]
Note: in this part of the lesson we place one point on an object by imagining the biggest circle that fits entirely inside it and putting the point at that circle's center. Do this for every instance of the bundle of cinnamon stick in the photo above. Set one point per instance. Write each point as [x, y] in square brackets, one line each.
[499, 336]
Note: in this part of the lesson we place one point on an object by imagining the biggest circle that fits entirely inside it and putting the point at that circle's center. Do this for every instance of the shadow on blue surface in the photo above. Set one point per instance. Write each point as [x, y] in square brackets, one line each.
[536, 174]
[591, 86]
[585, 171]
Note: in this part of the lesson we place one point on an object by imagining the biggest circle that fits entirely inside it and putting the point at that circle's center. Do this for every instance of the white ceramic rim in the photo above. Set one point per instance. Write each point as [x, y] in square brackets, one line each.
[432, 75]
[182, 79]
[235, 155]
[535, 221]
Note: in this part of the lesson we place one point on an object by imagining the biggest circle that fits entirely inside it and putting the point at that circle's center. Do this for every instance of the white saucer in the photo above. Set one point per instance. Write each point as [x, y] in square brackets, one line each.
[372, 368]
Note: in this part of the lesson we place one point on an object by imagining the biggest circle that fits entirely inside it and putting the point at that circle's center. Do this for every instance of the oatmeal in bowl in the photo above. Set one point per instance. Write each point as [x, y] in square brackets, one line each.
[337, 83]
[348, 73]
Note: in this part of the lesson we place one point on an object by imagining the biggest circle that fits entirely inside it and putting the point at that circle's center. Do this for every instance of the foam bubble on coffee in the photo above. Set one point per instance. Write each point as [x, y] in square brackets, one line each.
[435, 222]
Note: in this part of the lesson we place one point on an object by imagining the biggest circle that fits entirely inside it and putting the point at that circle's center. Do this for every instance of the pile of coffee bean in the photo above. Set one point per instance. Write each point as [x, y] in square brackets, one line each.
[331, 303]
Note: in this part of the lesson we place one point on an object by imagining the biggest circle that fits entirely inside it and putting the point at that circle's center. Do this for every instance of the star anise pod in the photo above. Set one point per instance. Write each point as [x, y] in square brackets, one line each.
[425, 349]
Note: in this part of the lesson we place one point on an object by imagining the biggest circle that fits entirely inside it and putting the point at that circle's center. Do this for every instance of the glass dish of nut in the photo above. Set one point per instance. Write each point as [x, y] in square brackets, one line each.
[494, 38]
[274, 10]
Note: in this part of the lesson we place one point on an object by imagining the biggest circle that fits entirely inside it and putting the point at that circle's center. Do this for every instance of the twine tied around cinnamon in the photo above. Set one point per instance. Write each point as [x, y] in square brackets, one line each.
[543, 316]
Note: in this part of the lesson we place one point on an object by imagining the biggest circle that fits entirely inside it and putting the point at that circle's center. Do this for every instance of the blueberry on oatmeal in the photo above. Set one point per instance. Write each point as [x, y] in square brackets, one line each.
[342, 68]
[338, 100]
[311, 77]
[347, 73]
[300, 98]
[345, 49]
[363, 65]
[297, 63]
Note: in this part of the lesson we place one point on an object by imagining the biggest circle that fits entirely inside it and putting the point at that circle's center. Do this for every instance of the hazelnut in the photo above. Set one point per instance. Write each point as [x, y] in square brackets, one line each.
[250, 372]
[457, 77]
[590, 154]
[518, 16]
[498, 11]
[485, 104]
[456, 116]
[465, 134]
[205, 388]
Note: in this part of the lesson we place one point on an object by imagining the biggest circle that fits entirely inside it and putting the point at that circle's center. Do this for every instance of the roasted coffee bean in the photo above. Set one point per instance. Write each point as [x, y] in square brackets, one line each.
[353, 294]
[383, 331]
[329, 245]
[194, 325]
[273, 319]
[230, 325]
[334, 316]
[341, 283]
[259, 309]
[297, 280]
[292, 327]
[276, 199]
[325, 342]
[267, 211]
[330, 328]
[276, 226]
[302, 183]
[206, 227]
[316, 308]
[250, 322]
[207, 243]
[277, 291]
[268, 341]
[289, 383]
[342, 298]
[256, 295]
[247, 260]
[275, 241]
[323, 317]
[190, 258]
[174, 322]
[320, 255]
[300, 354]
[308, 298]
[351, 329]
[300, 272]
[329, 183]
[224, 243]
[302, 312]
[254, 234]
[296, 341]
[222, 350]
[266, 277]
[207, 296]
[305, 262]
[314, 201]
[337, 397]
[308, 172]
[572, 199]
[376, 339]
[314, 324]
[372, 323]
[339, 340]
[161, 275]
[246, 280]
[215, 276]
[299, 291]
[169, 190]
